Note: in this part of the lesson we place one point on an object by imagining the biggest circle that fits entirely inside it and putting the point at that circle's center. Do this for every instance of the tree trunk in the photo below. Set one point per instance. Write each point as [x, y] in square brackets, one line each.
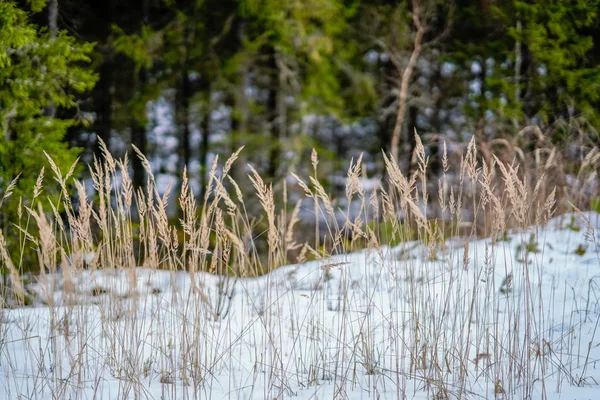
[138, 128]
[204, 144]
[103, 96]
[518, 62]
[53, 33]
[138, 134]
[404, 85]
[276, 107]
[104, 102]
[239, 123]
[386, 121]
[435, 165]
[527, 92]
[183, 117]
[481, 124]
[240, 109]
[53, 18]
[182, 102]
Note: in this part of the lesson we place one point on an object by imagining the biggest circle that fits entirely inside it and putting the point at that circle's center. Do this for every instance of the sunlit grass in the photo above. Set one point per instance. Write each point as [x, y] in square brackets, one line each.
[137, 305]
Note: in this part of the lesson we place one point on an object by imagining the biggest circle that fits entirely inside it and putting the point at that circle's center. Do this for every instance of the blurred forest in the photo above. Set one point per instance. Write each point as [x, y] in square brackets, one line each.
[185, 81]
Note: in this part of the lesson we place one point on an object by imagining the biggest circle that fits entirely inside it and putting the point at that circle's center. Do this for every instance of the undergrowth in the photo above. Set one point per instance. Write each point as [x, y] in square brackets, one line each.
[441, 312]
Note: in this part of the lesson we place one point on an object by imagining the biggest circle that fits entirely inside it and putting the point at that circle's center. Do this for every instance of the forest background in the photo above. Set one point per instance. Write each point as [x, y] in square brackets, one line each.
[185, 81]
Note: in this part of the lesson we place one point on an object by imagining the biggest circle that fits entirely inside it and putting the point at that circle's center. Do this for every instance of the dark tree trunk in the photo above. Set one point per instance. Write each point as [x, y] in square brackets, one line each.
[239, 110]
[239, 122]
[435, 165]
[103, 96]
[104, 102]
[183, 112]
[386, 122]
[138, 135]
[273, 115]
[139, 139]
[138, 128]
[277, 117]
[204, 144]
[527, 69]
[53, 33]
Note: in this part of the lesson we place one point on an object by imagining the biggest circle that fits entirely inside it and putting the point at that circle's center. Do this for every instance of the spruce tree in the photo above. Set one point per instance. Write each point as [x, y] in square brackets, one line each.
[39, 70]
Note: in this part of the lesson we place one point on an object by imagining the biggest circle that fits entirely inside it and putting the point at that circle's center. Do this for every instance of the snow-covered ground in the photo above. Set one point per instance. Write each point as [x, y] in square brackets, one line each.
[514, 319]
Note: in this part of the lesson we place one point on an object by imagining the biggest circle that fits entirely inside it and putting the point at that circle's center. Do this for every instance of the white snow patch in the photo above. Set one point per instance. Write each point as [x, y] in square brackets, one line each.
[517, 316]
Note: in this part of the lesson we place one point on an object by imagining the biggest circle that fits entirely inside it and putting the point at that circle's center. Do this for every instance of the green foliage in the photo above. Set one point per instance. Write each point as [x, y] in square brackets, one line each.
[389, 232]
[36, 72]
[139, 47]
[37, 5]
[595, 205]
[572, 225]
[309, 39]
[505, 237]
[557, 35]
[142, 48]
[506, 285]
[551, 43]
[580, 250]
[524, 249]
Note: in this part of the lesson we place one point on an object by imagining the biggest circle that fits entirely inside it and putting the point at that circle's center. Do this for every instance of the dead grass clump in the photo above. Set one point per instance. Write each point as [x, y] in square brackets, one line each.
[447, 313]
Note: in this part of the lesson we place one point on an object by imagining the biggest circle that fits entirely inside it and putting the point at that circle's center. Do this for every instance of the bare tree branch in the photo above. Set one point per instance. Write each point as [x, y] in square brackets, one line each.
[406, 76]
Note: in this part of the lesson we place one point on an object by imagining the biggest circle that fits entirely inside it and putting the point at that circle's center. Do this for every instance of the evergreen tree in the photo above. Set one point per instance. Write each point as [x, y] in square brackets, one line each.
[300, 53]
[557, 39]
[531, 62]
[38, 70]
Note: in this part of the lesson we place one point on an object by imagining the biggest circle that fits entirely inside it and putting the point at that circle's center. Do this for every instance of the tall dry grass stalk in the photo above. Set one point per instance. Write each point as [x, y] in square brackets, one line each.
[441, 325]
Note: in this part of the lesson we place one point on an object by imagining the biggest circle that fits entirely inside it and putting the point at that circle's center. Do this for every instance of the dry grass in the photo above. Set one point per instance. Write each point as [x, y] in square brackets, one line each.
[443, 332]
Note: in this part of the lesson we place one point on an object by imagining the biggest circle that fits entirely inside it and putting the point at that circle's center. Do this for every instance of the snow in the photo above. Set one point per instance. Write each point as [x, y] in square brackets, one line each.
[405, 322]
[475, 68]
